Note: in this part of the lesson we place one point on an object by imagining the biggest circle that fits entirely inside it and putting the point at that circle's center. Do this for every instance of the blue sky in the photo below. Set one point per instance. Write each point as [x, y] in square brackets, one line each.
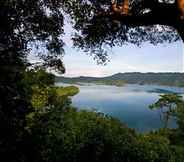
[128, 58]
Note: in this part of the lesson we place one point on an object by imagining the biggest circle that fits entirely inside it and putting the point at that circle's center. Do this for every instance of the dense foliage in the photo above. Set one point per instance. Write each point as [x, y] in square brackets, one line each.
[98, 28]
[55, 131]
[23, 23]
[59, 132]
[38, 124]
[62, 133]
[89, 136]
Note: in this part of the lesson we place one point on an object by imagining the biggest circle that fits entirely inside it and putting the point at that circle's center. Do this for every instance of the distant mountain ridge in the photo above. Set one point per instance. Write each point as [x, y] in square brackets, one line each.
[170, 79]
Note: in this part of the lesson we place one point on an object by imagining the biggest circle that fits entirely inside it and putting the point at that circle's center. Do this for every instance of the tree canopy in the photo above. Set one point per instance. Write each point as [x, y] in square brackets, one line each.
[39, 23]
[98, 27]
[31, 22]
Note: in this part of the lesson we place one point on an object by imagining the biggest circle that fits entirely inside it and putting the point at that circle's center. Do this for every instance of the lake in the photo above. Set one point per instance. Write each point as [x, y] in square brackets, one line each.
[130, 103]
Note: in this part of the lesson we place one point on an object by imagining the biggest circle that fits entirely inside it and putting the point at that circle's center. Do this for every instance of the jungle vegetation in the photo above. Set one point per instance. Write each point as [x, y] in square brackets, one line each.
[39, 124]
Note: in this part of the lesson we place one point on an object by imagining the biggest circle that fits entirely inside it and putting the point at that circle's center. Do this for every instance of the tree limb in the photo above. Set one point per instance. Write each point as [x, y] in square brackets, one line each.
[159, 14]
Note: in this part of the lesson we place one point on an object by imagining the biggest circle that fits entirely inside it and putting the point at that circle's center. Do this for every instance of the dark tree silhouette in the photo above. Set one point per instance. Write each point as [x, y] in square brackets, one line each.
[40, 22]
[23, 22]
[98, 26]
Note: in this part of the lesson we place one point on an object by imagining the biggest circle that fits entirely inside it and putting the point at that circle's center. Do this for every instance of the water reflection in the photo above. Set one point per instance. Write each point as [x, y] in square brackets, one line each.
[128, 103]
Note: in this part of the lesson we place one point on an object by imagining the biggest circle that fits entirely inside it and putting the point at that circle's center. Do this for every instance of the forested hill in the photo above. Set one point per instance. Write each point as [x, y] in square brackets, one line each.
[171, 79]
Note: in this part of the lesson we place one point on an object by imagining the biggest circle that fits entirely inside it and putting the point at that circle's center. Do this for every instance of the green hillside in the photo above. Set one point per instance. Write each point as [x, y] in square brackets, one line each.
[119, 79]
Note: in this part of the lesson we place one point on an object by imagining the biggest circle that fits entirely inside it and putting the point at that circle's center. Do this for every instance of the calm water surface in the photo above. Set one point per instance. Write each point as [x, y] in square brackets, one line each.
[128, 103]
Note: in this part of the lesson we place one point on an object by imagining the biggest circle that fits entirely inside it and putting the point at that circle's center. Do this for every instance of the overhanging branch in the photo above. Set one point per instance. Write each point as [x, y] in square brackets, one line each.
[160, 14]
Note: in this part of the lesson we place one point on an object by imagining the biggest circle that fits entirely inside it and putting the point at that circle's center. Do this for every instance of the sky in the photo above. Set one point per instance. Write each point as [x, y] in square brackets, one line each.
[128, 58]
